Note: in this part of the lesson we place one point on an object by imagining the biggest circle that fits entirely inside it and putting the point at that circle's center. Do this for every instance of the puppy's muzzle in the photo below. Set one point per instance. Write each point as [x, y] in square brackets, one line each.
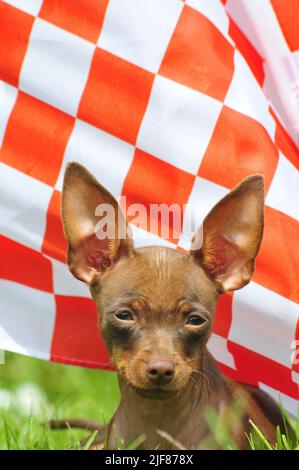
[160, 371]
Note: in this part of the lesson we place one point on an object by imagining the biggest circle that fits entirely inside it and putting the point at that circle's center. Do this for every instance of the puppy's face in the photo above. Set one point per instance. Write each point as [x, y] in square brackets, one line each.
[155, 307]
[156, 304]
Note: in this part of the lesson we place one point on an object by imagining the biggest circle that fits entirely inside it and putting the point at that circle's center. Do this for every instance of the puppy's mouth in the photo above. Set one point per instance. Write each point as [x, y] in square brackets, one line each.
[157, 393]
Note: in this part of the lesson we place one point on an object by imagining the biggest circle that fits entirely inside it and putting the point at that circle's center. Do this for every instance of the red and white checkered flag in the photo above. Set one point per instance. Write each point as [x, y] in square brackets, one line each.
[165, 101]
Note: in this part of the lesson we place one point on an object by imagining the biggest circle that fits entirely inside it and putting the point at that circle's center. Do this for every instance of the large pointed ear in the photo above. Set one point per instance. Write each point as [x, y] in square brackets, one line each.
[231, 235]
[95, 227]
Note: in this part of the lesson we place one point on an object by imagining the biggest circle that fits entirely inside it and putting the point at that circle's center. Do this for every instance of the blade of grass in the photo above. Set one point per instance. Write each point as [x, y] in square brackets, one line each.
[90, 440]
[279, 444]
[261, 436]
[284, 417]
[170, 439]
[135, 444]
[286, 442]
[29, 433]
[251, 441]
[6, 432]
[106, 431]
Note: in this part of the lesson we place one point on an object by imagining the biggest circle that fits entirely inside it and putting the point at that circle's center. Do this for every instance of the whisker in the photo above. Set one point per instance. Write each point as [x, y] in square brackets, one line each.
[80, 333]
[203, 375]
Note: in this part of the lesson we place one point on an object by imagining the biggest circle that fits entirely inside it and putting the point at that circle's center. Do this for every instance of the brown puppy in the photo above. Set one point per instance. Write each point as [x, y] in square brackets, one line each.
[156, 309]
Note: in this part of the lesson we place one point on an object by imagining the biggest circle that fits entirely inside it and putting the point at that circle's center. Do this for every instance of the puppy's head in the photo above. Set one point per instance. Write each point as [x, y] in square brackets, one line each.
[156, 304]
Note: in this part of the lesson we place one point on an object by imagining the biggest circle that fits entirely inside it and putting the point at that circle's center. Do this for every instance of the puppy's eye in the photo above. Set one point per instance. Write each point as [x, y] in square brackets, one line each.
[124, 315]
[195, 320]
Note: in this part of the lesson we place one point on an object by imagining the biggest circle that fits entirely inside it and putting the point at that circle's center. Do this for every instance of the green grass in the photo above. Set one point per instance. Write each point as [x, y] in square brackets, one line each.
[69, 392]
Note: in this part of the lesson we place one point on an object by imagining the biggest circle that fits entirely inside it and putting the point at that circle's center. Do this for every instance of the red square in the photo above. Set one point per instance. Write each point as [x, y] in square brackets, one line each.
[15, 29]
[76, 337]
[116, 95]
[285, 143]
[239, 147]
[237, 376]
[287, 15]
[81, 17]
[199, 56]
[277, 264]
[15, 260]
[223, 315]
[55, 244]
[36, 138]
[265, 370]
[153, 181]
[296, 353]
[252, 57]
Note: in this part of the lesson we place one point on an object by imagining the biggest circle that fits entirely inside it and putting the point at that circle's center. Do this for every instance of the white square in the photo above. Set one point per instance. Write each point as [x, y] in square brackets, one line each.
[65, 283]
[178, 124]
[264, 322]
[203, 197]
[284, 109]
[284, 190]
[215, 11]
[27, 318]
[29, 6]
[217, 345]
[139, 31]
[238, 11]
[289, 404]
[23, 207]
[106, 157]
[295, 55]
[246, 96]
[56, 66]
[295, 378]
[8, 96]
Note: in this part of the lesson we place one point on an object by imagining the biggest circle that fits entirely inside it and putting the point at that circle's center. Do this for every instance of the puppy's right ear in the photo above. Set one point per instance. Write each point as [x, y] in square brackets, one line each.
[93, 248]
[231, 235]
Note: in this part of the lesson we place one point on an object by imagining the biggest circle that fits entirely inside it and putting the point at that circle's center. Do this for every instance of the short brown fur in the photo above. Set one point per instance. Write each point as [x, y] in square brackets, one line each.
[146, 298]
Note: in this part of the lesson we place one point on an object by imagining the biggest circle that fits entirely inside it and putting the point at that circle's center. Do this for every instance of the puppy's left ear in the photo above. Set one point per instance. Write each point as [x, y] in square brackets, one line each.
[231, 235]
[84, 199]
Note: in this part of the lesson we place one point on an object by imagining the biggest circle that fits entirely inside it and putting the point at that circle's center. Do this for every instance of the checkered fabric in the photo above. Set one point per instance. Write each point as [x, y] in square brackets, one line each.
[165, 101]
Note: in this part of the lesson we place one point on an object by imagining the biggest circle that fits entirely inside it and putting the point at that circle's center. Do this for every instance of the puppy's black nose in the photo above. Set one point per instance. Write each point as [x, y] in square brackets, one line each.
[160, 371]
